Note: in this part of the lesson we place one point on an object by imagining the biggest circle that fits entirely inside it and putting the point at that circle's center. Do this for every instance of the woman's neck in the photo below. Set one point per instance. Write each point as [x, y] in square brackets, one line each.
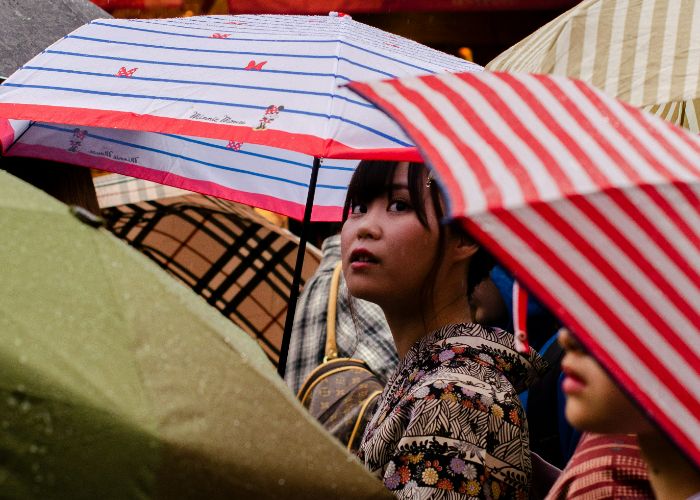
[671, 475]
[409, 324]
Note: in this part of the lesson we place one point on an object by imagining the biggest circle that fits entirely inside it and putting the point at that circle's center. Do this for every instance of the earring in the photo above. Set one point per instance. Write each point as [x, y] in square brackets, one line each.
[430, 180]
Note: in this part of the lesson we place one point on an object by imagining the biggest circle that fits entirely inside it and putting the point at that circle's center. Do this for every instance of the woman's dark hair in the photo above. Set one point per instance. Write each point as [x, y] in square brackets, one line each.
[373, 179]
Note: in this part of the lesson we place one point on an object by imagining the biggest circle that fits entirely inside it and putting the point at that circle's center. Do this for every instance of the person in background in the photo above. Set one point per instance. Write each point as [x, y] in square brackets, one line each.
[595, 404]
[361, 330]
[604, 466]
[551, 436]
[449, 423]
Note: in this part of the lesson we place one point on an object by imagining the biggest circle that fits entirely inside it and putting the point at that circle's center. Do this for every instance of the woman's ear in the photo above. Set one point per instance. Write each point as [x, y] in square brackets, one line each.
[463, 246]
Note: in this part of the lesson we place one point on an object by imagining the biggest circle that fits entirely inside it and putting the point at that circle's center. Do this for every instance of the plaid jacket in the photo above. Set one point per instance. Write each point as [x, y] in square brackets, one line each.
[604, 466]
[371, 341]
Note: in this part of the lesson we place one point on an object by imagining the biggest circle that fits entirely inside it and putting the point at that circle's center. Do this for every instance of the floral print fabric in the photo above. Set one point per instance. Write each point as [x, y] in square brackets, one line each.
[449, 423]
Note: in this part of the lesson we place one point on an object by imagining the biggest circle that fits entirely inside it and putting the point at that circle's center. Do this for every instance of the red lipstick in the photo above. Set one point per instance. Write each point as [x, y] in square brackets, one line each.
[361, 258]
[572, 383]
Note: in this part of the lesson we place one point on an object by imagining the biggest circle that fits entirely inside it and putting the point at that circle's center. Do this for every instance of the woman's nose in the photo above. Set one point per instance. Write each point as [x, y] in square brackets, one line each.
[369, 225]
[567, 341]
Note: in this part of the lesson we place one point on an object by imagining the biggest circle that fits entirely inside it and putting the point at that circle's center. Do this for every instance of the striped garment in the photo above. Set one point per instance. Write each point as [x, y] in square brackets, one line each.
[604, 466]
[369, 340]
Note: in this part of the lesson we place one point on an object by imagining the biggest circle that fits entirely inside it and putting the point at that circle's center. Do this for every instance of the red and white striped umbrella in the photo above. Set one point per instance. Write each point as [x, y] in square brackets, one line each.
[593, 204]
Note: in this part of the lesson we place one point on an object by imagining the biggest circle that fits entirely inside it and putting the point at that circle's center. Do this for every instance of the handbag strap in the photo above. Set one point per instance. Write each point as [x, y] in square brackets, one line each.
[331, 348]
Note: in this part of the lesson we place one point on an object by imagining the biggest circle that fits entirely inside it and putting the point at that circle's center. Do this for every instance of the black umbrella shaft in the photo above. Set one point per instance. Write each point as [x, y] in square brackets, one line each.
[296, 281]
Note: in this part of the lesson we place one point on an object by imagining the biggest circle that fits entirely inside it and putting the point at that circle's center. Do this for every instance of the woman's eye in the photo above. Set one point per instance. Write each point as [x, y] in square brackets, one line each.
[359, 208]
[399, 206]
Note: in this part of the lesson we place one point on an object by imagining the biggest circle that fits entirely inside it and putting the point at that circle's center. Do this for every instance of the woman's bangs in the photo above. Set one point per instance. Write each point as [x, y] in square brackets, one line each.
[371, 180]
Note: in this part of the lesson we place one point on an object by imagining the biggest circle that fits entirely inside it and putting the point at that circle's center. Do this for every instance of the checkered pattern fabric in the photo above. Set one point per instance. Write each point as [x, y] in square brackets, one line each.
[369, 340]
[116, 189]
[604, 466]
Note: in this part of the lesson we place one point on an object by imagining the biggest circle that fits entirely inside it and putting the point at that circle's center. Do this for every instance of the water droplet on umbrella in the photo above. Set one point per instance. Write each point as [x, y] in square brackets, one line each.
[25, 406]
[33, 448]
[281, 481]
[48, 424]
[202, 387]
[12, 401]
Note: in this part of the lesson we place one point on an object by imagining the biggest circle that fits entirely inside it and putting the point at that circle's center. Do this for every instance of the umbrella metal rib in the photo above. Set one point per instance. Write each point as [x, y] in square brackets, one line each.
[296, 281]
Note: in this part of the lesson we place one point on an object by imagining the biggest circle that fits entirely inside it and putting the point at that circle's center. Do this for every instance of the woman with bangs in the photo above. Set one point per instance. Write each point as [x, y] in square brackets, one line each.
[449, 423]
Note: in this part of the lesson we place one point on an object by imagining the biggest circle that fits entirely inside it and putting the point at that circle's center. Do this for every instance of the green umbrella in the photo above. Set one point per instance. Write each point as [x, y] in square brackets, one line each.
[118, 382]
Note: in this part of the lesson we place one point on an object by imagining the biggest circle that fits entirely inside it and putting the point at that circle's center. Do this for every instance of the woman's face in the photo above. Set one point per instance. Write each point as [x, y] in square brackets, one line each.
[386, 252]
[593, 402]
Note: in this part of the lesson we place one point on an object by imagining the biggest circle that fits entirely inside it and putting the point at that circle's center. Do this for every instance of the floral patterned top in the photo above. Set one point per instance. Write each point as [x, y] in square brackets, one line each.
[449, 423]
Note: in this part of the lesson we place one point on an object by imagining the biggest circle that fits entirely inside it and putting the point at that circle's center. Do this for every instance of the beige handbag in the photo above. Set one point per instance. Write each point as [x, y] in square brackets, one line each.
[342, 393]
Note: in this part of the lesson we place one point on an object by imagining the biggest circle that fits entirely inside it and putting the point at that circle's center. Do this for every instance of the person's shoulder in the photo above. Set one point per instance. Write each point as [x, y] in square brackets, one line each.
[466, 390]
[446, 384]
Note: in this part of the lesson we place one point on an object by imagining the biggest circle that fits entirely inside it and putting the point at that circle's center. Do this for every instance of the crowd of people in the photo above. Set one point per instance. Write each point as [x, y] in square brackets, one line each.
[465, 413]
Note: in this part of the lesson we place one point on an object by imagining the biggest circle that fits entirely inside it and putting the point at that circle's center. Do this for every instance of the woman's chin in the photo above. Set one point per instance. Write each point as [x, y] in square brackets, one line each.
[369, 297]
[586, 418]
[364, 292]
[580, 416]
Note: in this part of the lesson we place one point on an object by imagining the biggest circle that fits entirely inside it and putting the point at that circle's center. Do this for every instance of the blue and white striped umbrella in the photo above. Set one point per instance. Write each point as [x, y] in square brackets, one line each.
[233, 106]
[262, 176]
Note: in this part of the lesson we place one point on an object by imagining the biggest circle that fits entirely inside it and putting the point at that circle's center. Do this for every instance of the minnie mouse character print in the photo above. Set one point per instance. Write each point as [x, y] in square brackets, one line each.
[271, 113]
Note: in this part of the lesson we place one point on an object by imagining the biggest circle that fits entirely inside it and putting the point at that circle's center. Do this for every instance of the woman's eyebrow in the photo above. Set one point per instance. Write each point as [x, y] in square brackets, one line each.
[394, 187]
